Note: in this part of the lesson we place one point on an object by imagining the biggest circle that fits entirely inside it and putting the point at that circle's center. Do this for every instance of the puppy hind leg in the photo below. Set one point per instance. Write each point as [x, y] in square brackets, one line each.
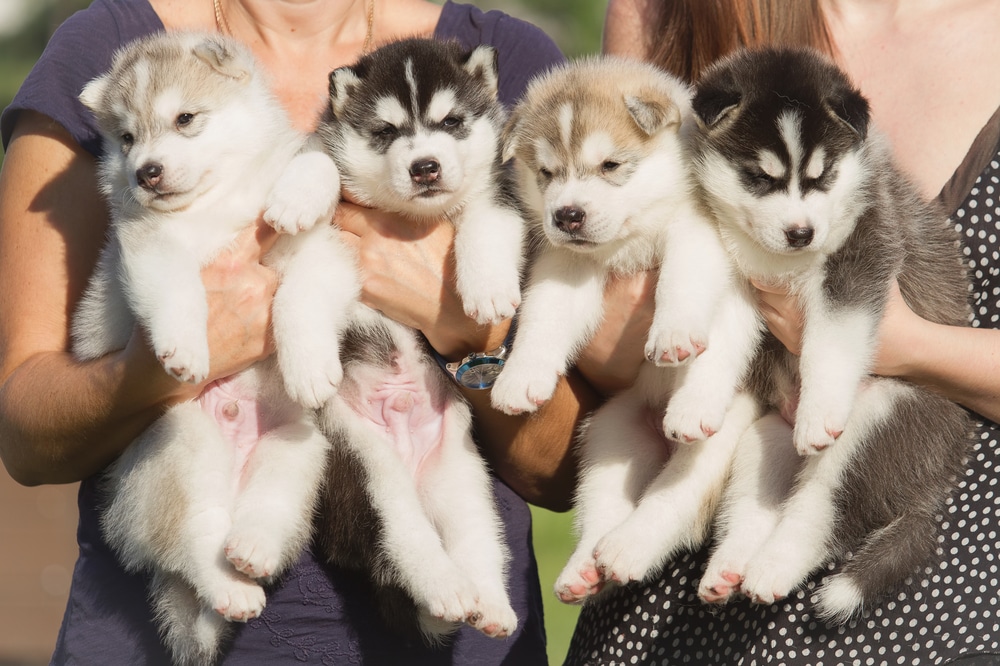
[621, 452]
[763, 471]
[676, 509]
[456, 491]
[272, 518]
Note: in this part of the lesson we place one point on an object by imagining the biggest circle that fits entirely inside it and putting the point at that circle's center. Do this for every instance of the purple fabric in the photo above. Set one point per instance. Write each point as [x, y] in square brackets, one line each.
[314, 615]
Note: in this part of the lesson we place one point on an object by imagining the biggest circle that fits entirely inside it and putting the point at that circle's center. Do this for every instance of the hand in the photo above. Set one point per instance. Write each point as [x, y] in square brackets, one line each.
[408, 274]
[240, 291]
[782, 314]
[611, 360]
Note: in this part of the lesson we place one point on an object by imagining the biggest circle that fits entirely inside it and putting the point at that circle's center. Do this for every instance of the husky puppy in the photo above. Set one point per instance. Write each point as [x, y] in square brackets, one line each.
[414, 127]
[217, 496]
[598, 148]
[807, 196]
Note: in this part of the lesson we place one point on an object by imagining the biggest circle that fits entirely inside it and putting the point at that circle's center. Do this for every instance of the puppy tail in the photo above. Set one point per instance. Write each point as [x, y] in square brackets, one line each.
[887, 557]
[192, 632]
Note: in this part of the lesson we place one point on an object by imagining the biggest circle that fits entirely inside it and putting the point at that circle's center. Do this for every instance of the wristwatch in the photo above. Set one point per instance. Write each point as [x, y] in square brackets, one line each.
[479, 370]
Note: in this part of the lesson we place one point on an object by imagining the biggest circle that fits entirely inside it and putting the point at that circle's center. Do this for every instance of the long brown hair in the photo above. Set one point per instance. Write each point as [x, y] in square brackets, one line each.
[690, 34]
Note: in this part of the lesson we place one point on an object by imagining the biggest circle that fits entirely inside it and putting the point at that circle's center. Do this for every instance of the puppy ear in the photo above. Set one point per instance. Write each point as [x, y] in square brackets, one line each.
[850, 106]
[481, 63]
[510, 136]
[93, 92]
[652, 115]
[342, 81]
[225, 57]
[713, 103]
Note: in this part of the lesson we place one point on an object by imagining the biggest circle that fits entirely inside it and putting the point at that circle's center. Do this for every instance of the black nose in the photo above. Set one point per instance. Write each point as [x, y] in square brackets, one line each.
[424, 172]
[569, 218]
[149, 175]
[799, 236]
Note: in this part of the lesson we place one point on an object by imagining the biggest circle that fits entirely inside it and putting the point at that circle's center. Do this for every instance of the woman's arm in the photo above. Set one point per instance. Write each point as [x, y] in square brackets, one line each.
[408, 274]
[61, 420]
[962, 363]
[626, 25]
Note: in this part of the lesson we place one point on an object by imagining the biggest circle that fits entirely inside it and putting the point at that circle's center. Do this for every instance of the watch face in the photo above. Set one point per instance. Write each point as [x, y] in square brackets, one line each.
[479, 373]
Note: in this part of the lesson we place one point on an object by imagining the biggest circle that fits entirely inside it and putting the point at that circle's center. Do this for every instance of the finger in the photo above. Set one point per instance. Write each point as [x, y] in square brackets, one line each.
[351, 218]
[767, 288]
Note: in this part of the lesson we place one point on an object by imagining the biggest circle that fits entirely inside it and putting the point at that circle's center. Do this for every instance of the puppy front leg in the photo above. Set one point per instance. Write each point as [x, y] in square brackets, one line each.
[695, 273]
[836, 354]
[489, 250]
[708, 384]
[306, 192]
[318, 287]
[562, 308]
[164, 289]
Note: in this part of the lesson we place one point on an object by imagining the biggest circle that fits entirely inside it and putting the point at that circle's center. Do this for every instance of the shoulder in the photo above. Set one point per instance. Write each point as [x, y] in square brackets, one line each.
[80, 49]
[523, 49]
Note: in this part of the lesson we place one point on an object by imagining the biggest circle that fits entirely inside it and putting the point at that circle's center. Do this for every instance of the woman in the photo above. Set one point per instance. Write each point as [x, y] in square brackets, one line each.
[63, 421]
[928, 71]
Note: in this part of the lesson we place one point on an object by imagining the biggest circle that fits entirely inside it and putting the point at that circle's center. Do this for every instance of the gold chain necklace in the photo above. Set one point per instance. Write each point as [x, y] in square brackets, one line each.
[222, 24]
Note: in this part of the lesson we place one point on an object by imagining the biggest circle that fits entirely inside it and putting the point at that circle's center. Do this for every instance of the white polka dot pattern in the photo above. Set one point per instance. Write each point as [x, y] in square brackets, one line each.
[953, 609]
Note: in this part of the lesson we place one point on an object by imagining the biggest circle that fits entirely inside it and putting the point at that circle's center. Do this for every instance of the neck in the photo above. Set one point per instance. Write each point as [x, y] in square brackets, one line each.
[279, 25]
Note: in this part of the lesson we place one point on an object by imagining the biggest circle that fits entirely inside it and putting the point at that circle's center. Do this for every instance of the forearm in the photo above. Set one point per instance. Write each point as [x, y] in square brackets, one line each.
[62, 421]
[962, 363]
[533, 453]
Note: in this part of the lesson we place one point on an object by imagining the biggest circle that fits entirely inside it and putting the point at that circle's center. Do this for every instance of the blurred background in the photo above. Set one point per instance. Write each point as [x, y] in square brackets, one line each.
[38, 525]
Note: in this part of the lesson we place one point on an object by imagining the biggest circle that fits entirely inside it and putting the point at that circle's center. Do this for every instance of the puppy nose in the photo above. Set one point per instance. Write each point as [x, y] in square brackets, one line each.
[799, 236]
[149, 175]
[424, 172]
[569, 218]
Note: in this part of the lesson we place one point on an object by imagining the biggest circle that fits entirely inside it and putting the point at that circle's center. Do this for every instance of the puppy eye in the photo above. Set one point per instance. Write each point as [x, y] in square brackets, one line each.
[544, 173]
[760, 177]
[610, 166]
[128, 139]
[451, 122]
[385, 131]
[184, 119]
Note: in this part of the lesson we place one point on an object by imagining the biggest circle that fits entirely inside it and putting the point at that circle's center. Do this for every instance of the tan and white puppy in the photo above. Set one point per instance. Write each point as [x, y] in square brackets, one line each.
[217, 496]
[599, 154]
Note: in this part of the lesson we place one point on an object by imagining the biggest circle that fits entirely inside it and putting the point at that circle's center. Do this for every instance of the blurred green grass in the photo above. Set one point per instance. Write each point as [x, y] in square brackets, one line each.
[554, 541]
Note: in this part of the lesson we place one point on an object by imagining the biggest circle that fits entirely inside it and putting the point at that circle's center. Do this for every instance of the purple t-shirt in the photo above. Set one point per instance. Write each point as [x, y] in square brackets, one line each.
[315, 614]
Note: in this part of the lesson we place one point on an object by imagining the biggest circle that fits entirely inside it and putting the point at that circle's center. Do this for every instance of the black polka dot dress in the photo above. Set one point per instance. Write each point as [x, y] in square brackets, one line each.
[950, 611]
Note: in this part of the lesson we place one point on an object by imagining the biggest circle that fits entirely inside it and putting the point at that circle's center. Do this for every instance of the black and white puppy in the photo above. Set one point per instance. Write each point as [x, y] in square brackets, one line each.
[806, 196]
[414, 128]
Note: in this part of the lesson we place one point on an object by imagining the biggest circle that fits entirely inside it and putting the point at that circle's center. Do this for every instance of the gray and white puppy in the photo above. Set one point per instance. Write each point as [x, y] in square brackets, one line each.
[414, 127]
[217, 496]
[807, 196]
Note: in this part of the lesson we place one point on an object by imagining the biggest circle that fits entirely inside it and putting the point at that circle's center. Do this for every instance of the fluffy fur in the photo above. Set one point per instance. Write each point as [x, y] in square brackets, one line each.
[217, 496]
[598, 149]
[807, 196]
[414, 127]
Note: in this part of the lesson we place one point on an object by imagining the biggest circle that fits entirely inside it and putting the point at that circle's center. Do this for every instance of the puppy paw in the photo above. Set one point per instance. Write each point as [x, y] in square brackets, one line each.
[671, 346]
[718, 586]
[496, 618]
[307, 192]
[518, 392]
[238, 599]
[623, 556]
[454, 600]
[311, 382]
[691, 417]
[187, 362]
[815, 432]
[578, 581]
[254, 554]
[767, 581]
